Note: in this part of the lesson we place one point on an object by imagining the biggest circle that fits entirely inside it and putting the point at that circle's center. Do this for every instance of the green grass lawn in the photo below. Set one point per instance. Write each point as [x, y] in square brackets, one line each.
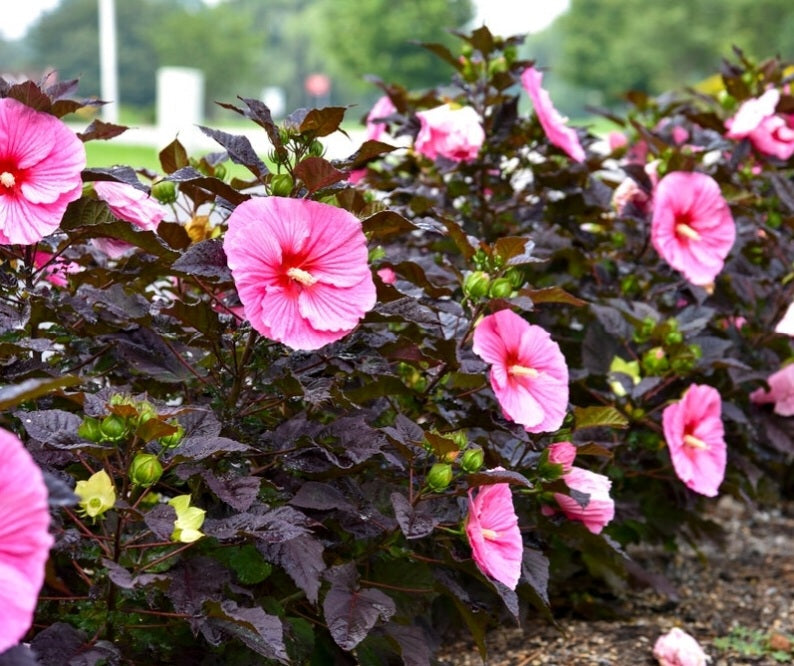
[107, 154]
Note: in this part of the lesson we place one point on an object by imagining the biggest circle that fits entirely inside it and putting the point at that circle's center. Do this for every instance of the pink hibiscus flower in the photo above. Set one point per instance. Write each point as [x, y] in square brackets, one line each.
[562, 453]
[24, 538]
[300, 268]
[132, 205]
[376, 127]
[599, 508]
[557, 132]
[528, 372]
[678, 648]
[692, 227]
[55, 270]
[492, 529]
[387, 275]
[40, 164]
[695, 437]
[770, 133]
[456, 134]
[781, 391]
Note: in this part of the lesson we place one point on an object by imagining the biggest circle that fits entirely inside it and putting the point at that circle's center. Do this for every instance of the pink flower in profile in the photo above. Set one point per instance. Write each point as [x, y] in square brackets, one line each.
[456, 134]
[562, 453]
[616, 140]
[132, 205]
[300, 268]
[678, 648]
[781, 391]
[694, 434]
[492, 529]
[557, 132]
[528, 372]
[24, 538]
[770, 133]
[387, 275]
[786, 324]
[40, 164]
[597, 509]
[376, 126]
[692, 227]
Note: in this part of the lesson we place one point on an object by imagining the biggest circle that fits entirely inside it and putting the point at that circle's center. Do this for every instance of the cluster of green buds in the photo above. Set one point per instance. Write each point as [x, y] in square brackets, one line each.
[670, 350]
[212, 170]
[491, 279]
[452, 449]
[164, 191]
[474, 64]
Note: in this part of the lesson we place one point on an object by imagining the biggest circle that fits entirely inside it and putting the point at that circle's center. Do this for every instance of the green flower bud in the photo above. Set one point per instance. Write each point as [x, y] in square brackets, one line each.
[89, 429]
[472, 460]
[145, 470]
[219, 171]
[654, 361]
[515, 276]
[173, 440]
[645, 330]
[164, 191]
[459, 437]
[476, 284]
[497, 66]
[500, 288]
[317, 149]
[673, 338]
[284, 135]
[145, 412]
[439, 476]
[281, 184]
[113, 428]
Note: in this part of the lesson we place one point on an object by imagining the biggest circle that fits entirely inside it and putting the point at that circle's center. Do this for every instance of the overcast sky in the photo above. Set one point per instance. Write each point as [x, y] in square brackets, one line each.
[503, 17]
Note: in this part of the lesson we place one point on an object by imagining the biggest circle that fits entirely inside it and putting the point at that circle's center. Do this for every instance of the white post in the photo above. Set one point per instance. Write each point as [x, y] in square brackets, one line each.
[108, 67]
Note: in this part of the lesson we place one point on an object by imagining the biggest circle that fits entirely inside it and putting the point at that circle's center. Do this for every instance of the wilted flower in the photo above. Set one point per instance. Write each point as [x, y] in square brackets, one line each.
[300, 268]
[528, 372]
[770, 133]
[781, 391]
[695, 437]
[492, 529]
[597, 508]
[189, 520]
[678, 648]
[40, 164]
[456, 134]
[97, 494]
[132, 205]
[24, 538]
[557, 132]
[692, 228]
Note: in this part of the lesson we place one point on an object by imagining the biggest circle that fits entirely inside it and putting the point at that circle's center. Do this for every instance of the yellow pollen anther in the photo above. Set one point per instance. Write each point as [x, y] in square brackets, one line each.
[8, 179]
[304, 277]
[489, 534]
[694, 442]
[687, 232]
[522, 371]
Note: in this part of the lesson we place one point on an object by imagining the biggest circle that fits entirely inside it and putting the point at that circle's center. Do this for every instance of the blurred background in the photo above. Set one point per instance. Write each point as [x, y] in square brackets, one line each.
[293, 53]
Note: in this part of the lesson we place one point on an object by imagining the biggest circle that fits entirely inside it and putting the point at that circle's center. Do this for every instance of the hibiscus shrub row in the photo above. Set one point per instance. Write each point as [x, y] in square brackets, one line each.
[336, 409]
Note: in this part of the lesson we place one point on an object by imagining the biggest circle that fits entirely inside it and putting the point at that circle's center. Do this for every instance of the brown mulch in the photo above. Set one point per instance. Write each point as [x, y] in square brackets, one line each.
[745, 586]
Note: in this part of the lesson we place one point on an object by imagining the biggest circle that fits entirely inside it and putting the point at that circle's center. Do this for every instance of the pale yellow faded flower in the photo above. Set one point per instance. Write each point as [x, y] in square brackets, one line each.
[188, 520]
[620, 366]
[96, 494]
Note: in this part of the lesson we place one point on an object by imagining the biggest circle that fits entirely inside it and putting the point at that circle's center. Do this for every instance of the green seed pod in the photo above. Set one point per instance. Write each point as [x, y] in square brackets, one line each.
[476, 284]
[145, 470]
[281, 184]
[472, 459]
[113, 428]
[500, 288]
[515, 276]
[164, 191]
[673, 338]
[439, 476]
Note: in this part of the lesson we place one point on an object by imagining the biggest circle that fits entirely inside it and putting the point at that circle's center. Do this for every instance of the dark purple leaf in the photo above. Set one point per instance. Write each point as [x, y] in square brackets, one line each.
[239, 492]
[240, 150]
[173, 157]
[414, 523]
[205, 259]
[413, 643]
[316, 122]
[30, 94]
[198, 448]
[125, 580]
[535, 571]
[19, 655]
[261, 632]
[509, 597]
[196, 581]
[146, 353]
[302, 559]
[497, 476]
[101, 653]
[58, 492]
[115, 174]
[188, 178]
[101, 130]
[57, 643]
[52, 426]
[317, 173]
[29, 389]
[320, 497]
[160, 520]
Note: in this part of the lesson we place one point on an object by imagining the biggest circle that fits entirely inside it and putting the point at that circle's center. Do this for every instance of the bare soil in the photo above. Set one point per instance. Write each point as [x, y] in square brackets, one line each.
[736, 599]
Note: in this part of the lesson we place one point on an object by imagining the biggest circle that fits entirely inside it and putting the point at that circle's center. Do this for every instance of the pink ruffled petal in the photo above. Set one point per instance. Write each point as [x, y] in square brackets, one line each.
[328, 308]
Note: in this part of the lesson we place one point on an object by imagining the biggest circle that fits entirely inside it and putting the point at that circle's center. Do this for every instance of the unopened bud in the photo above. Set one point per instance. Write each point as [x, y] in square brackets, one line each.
[476, 284]
[515, 276]
[281, 184]
[439, 476]
[316, 149]
[219, 171]
[145, 470]
[173, 440]
[500, 288]
[472, 460]
[89, 429]
[113, 428]
[164, 191]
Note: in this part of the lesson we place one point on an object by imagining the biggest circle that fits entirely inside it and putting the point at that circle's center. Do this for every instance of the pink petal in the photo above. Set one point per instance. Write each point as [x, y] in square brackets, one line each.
[328, 308]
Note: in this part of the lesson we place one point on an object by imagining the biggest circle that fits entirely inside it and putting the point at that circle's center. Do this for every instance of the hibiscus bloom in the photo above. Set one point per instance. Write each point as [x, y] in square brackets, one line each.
[770, 133]
[781, 391]
[376, 127]
[24, 538]
[132, 205]
[597, 509]
[557, 132]
[678, 648]
[40, 164]
[456, 134]
[55, 270]
[492, 529]
[695, 437]
[528, 372]
[300, 268]
[562, 453]
[692, 228]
